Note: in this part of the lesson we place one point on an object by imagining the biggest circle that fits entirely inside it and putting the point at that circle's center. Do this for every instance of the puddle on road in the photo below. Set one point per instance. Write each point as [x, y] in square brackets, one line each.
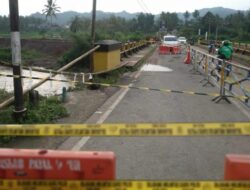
[155, 68]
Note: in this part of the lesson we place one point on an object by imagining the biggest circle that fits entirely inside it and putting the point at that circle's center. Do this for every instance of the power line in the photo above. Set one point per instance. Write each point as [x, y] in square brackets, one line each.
[145, 5]
[142, 6]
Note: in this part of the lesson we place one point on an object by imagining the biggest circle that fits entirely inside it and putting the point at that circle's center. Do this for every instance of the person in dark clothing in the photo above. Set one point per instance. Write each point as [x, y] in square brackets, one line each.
[211, 47]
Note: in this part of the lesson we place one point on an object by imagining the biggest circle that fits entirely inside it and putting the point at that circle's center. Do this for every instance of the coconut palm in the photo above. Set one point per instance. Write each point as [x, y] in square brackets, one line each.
[51, 9]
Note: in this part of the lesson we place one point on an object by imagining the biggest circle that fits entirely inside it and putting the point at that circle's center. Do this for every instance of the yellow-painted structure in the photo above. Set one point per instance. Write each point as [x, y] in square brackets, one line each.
[104, 61]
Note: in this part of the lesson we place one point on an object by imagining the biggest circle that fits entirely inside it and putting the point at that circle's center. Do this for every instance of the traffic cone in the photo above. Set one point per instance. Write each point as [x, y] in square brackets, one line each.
[188, 57]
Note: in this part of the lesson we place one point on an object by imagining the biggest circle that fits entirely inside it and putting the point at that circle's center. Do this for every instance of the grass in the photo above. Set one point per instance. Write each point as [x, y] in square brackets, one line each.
[38, 35]
[4, 95]
[111, 77]
[5, 54]
[48, 111]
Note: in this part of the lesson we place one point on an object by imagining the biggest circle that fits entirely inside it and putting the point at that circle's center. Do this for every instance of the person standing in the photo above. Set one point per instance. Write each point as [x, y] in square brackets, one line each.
[211, 47]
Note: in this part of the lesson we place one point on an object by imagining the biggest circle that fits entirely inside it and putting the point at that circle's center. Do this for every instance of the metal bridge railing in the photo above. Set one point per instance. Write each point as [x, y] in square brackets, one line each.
[233, 79]
[239, 47]
[132, 47]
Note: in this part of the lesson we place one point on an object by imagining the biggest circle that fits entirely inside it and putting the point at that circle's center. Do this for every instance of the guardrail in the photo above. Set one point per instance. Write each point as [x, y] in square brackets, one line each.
[233, 79]
[132, 47]
[126, 50]
[239, 47]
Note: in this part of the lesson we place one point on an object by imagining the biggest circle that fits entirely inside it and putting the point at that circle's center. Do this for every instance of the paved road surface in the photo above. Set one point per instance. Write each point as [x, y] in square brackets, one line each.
[167, 158]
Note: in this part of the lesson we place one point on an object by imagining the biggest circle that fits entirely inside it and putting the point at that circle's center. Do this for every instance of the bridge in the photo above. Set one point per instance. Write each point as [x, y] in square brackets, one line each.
[174, 113]
[171, 158]
[165, 90]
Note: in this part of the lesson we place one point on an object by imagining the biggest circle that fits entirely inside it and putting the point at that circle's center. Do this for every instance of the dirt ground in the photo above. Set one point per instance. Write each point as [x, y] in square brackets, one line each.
[49, 51]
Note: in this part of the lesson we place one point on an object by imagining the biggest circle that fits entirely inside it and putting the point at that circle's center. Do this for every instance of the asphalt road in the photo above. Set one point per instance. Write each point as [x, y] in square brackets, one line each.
[171, 158]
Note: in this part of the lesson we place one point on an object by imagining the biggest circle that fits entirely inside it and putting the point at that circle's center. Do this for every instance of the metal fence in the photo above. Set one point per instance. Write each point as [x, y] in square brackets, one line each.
[233, 79]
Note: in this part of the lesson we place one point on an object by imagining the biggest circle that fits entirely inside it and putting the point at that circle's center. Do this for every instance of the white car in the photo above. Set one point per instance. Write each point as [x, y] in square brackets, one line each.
[182, 40]
[170, 41]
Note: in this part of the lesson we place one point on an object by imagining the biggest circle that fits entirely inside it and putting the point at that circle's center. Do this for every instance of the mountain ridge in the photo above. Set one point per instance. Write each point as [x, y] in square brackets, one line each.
[66, 17]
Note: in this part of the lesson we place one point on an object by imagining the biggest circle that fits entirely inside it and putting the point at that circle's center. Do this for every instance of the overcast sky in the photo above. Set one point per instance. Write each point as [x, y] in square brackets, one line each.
[154, 6]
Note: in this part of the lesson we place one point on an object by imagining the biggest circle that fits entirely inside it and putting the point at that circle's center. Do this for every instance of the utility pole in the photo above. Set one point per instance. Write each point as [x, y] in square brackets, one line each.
[93, 23]
[93, 35]
[216, 34]
[19, 109]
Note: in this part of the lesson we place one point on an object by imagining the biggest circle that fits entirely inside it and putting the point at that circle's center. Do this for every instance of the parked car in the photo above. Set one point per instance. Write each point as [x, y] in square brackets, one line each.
[182, 40]
[170, 41]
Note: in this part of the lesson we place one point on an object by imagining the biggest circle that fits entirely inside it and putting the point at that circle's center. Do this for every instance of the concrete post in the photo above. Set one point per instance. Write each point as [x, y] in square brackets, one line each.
[16, 59]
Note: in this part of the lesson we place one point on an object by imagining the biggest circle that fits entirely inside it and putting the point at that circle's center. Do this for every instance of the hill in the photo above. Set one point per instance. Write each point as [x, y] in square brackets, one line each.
[222, 12]
[65, 18]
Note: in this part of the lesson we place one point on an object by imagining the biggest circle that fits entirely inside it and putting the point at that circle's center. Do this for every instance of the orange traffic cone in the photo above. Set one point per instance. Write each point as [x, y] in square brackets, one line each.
[188, 57]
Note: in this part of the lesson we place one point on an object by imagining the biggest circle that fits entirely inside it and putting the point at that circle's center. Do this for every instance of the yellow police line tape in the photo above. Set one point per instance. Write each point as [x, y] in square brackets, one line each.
[122, 185]
[170, 129]
[131, 87]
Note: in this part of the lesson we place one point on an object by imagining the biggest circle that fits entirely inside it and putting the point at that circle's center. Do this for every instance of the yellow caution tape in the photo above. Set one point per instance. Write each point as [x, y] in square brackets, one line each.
[132, 87]
[122, 185]
[169, 129]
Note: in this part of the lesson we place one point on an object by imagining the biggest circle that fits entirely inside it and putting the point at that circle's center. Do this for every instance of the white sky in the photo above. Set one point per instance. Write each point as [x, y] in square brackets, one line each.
[26, 7]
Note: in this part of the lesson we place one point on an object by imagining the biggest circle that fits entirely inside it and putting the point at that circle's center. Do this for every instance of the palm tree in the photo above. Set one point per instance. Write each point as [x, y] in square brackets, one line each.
[51, 9]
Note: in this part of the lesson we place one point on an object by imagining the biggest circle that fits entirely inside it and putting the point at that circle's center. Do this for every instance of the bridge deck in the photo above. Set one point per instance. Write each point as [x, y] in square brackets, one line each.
[193, 158]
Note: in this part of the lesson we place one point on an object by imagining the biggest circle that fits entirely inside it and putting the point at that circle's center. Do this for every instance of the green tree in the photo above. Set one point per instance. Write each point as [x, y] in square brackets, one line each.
[4, 23]
[196, 14]
[76, 25]
[209, 23]
[51, 9]
[219, 24]
[186, 16]
[169, 20]
[145, 22]
[248, 23]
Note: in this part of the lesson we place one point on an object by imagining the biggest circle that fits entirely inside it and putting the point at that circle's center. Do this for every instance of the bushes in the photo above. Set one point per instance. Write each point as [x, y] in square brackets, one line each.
[5, 54]
[82, 44]
[48, 111]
